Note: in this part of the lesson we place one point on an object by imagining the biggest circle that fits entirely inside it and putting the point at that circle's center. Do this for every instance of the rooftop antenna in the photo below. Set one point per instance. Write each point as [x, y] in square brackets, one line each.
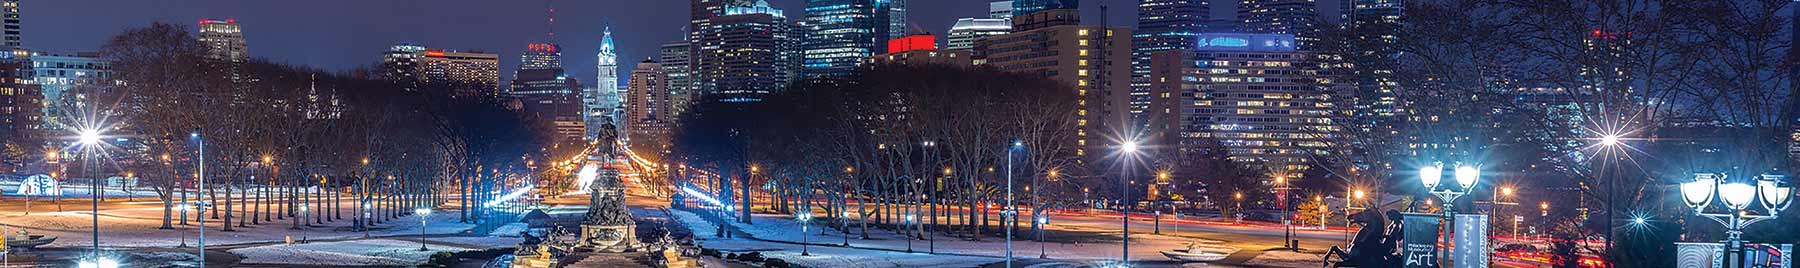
[552, 20]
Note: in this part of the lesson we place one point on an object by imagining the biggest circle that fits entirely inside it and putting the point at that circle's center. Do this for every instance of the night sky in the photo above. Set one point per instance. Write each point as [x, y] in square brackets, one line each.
[343, 34]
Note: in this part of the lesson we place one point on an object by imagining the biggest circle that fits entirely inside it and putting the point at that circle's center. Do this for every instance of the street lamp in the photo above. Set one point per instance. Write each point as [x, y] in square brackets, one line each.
[1737, 196]
[183, 207]
[1130, 148]
[88, 141]
[1465, 175]
[423, 213]
[1009, 216]
[804, 217]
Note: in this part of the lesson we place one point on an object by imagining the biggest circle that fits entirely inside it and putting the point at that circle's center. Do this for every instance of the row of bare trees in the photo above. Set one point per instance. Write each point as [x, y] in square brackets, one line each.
[277, 141]
[890, 142]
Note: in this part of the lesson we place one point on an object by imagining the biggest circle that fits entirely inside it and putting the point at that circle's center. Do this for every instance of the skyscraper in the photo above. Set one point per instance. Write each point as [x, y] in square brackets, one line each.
[21, 105]
[966, 30]
[647, 105]
[1022, 7]
[606, 87]
[1295, 17]
[224, 40]
[543, 89]
[1162, 25]
[9, 12]
[745, 53]
[1090, 59]
[1000, 9]
[1247, 92]
[677, 65]
[840, 33]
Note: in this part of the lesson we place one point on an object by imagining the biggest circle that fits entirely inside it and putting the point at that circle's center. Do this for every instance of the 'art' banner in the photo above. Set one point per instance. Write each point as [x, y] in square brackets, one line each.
[1420, 247]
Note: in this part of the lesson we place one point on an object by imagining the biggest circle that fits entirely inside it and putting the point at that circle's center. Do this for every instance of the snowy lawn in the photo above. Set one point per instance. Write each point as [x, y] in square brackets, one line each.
[139, 227]
[369, 252]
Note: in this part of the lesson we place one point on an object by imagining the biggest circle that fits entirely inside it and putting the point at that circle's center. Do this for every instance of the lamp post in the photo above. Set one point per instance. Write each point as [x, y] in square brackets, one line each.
[423, 213]
[909, 237]
[1775, 197]
[1043, 221]
[1011, 212]
[183, 207]
[804, 217]
[1287, 217]
[1466, 177]
[89, 142]
[1354, 195]
[200, 191]
[1130, 149]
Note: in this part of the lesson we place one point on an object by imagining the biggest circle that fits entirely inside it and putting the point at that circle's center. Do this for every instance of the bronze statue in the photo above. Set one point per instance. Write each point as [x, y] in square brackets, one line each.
[1376, 245]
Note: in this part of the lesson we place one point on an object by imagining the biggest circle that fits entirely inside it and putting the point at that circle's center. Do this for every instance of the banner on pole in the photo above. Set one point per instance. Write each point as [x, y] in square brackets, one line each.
[1421, 236]
[1470, 247]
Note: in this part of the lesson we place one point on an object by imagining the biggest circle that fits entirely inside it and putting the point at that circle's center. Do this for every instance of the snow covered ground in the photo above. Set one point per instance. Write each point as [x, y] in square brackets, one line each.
[138, 226]
[368, 252]
[886, 249]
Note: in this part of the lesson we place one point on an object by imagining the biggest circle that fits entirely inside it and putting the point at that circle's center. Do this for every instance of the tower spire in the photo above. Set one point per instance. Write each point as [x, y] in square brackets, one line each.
[552, 20]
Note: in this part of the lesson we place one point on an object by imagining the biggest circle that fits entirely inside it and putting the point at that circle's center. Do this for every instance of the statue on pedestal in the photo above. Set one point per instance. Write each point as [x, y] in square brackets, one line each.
[608, 226]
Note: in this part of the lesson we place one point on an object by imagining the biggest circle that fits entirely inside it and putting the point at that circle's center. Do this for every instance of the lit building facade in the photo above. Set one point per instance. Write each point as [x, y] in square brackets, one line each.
[1023, 7]
[1000, 10]
[745, 53]
[1248, 92]
[56, 75]
[840, 33]
[224, 40]
[543, 89]
[1162, 25]
[21, 104]
[1091, 59]
[677, 65]
[647, 118]
[457, 73]
[963, 34]
[14, 29]
[1293, 17]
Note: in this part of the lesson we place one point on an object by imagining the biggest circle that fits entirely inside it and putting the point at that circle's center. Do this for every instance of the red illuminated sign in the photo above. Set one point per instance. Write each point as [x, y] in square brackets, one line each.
[912, 42]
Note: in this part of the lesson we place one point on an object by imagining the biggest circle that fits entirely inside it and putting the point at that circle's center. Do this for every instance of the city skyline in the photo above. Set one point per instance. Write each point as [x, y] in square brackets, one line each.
[293, 33]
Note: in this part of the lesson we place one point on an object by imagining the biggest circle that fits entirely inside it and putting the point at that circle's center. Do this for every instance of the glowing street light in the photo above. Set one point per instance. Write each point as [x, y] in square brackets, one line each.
[422, 212]
[1609, 140]
[1128, 149]
[1466, 176]
[804, 218]
[1775, 197]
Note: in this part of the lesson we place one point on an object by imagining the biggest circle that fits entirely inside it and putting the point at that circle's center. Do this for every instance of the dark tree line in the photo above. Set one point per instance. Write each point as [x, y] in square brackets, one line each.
[891, 141]
[280, 138]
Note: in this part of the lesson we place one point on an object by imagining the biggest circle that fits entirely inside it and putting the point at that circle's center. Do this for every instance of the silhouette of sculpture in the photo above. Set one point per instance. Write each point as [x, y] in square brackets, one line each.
[1376, 245]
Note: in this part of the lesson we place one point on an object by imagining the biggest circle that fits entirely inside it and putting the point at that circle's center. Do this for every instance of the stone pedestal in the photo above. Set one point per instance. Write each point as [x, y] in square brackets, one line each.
[532, 256]
[611, 239]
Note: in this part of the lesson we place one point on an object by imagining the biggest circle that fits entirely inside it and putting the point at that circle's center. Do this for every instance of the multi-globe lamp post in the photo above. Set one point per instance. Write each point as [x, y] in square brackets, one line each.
[1466, 176]
[423, 213]
[804, 218]
[1773, 193]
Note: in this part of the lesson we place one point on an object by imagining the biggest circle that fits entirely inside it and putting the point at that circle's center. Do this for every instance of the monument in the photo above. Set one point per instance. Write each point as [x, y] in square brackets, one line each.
[608, 226]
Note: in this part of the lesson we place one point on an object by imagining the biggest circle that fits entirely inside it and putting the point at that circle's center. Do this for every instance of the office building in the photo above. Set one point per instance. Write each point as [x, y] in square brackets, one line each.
[1092, 60]
[1045, 19]
[224, 40]
[603, 96]
[21, 103]
[966, 30]
[1293, 17]
[443, 71]
[745, 53]
[920, 49]
[57, 75]
[14, 30]
[840, 33]
[677, 65]
[1247, 92]
[647, 119]
[1162, 25]
[1000, 10]
[541, 88]
[1022, 7]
